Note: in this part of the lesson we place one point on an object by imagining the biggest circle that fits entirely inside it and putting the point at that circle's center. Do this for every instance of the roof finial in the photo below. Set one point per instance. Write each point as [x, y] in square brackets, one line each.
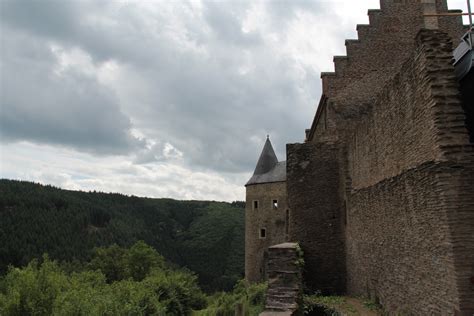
[268, 136]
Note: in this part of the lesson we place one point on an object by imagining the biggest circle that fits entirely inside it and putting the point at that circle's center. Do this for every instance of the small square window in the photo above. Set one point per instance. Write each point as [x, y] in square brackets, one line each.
[263, 233]
[275, 204]
[255, 205]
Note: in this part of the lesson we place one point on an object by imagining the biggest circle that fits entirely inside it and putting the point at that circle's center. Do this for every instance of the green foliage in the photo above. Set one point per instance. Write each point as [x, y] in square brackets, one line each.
[32, 290]
[325, 304]
[179, 291]
[250, 298]
[219, 235]
[371, 304]
[153, 289]
[110, 261]
[118, 263]
[69, 225]
[300, 256]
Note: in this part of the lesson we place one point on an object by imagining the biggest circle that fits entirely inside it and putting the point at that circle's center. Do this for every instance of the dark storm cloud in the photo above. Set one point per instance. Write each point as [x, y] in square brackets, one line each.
[216, 112]
[205, 86]
[67, 108]
[214, 106]
[46, 18]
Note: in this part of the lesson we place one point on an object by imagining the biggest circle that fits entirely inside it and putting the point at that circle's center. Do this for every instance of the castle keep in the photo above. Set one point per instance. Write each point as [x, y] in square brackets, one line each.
[380, 195]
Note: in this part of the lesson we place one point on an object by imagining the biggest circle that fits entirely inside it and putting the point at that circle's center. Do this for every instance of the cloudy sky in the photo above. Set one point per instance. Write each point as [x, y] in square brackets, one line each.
[161, 98]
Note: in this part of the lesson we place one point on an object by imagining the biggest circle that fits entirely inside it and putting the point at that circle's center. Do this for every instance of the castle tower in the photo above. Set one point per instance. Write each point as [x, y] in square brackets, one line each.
[266, 211]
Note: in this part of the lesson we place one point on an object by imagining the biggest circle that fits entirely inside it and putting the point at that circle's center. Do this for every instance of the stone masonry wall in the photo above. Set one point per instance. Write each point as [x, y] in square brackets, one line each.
[410, 210]
[400, 132]
[284, 280]
[373, 59]
[266, 217]
[456, 187]
[316, 213]
[398, 248]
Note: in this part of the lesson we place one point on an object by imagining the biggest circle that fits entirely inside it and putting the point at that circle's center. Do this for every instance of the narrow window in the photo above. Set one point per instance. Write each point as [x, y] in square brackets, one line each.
[255, 205]
[275, 204]
[287, 224]
[263, 233]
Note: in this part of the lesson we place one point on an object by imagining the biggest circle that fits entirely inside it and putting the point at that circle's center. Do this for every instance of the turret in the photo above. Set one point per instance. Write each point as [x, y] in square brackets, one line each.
[266, 212]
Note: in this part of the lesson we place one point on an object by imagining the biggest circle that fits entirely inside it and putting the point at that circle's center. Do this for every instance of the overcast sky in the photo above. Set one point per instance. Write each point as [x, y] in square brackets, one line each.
[161, 98]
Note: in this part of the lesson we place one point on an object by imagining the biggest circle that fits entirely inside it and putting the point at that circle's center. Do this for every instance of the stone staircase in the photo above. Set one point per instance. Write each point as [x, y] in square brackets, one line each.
[284, 280]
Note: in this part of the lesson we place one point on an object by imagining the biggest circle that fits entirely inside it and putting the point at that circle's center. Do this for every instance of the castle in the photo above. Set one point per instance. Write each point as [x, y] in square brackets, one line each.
[380, 195]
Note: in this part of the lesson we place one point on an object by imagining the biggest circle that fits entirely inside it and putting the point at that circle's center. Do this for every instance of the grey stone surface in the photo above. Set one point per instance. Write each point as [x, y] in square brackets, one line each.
[274, 222]
[284, 279]
[381, 194]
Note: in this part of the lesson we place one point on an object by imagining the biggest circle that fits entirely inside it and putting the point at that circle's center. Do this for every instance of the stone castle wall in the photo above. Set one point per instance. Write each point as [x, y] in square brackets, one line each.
[265, 217]
[316, 212]
[412, 201]
[401, 131]
[398, 178]
[382, 192]
[371, 61]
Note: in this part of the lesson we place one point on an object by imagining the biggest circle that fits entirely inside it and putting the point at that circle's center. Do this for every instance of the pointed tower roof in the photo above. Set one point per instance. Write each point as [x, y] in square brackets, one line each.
[268, 168]
[267, 159]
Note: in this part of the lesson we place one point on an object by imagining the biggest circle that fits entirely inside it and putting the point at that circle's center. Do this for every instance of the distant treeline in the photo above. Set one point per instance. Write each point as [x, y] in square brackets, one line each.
[203, 236]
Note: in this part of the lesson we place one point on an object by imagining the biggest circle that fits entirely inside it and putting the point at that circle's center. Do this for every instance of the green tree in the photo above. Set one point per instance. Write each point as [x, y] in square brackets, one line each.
[141, 259]
[33, 289]
[110, 261]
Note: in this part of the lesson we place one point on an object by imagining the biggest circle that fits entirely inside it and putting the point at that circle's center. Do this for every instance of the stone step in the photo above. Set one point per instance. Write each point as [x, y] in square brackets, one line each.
[374, 16]
[284, 279]
[280, 306]
[280, 300]
[363, 31]
[285, 288]
[276, 313]
[284, 271]
[278, 290]
[352, 47]
[340, 63]
[282, 295]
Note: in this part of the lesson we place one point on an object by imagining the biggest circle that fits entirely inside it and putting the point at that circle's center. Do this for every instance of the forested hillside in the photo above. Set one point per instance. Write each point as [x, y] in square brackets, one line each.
[206, 237]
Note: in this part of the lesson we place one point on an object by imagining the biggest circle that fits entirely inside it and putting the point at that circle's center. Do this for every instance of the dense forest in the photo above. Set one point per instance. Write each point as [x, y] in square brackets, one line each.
[203, 236]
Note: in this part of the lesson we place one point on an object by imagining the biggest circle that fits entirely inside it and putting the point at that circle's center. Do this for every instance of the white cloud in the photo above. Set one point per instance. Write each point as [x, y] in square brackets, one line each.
[161, 98]
[79, 171]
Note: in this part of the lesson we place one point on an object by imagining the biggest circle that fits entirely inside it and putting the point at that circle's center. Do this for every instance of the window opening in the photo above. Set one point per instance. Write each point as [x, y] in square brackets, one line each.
[263, 233]
[255, 205]
[275, 204]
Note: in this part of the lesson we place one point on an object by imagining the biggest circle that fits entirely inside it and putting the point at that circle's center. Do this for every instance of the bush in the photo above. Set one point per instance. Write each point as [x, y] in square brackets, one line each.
[33, 289]
[118, 281]
[250, 297]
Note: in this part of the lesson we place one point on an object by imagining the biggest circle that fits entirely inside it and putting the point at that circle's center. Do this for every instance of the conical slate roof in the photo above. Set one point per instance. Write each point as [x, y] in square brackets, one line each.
[268, 168]
[267, 159]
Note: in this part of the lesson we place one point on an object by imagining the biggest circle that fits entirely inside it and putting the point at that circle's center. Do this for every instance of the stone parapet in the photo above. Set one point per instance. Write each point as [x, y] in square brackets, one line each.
[284, 280]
